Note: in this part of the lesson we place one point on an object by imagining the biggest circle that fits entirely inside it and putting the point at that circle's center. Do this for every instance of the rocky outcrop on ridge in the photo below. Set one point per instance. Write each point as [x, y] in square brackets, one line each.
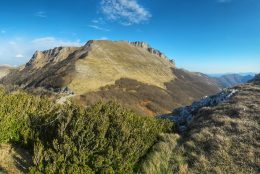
[149, 48]
[42, 58]
[183, 116]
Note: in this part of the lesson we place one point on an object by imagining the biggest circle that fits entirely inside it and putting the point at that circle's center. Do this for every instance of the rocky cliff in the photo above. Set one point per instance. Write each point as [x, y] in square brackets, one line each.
[184, 116]
[149, 49]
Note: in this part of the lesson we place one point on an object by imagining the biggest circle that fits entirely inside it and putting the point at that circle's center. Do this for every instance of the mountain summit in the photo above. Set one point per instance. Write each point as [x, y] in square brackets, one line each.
[96, 64]
[132, 73]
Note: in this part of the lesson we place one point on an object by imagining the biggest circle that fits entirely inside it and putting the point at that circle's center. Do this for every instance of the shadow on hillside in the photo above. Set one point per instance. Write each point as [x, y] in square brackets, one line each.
[22, 159]
[152, 100]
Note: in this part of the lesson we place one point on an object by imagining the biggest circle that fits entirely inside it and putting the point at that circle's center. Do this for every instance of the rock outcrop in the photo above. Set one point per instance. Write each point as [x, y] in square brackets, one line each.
[41, 58]
[183, 116]
[147, 47]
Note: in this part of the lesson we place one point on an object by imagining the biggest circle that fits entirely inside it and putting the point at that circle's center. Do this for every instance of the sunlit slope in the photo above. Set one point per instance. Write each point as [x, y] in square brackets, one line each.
[96, 64]
[4, 70]
[109, 61]
[131, 73]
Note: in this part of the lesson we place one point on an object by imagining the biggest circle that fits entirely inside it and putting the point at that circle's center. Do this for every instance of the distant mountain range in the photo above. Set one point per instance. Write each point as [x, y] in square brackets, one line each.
[132, 73]
[230, 80]
[238, 73]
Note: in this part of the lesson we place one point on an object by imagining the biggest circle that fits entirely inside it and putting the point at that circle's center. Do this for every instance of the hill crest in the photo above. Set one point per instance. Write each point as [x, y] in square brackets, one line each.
[134, 74]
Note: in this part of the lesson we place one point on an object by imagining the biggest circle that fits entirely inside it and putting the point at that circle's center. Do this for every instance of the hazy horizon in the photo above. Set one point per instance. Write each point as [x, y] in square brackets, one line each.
[208, 36]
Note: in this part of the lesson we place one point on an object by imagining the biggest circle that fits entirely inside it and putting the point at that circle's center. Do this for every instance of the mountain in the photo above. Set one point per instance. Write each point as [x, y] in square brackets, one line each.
[239, 73]
[230, 80]
[131, 73]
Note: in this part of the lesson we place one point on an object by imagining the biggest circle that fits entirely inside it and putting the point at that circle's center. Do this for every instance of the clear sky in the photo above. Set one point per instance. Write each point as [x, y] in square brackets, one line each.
[210, 36]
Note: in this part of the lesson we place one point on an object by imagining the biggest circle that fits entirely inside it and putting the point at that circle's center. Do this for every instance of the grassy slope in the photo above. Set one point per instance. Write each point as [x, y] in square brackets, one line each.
[87, 68]
[152, 100]
[222, 139]
[4, 70]
[109, 61]
[95, 70]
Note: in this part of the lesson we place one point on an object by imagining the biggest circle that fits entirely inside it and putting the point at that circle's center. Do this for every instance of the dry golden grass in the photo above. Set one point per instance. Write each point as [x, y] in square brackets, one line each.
[109, 61]
[4, 70]
[158, 160]
[222, 139]
[226, 137]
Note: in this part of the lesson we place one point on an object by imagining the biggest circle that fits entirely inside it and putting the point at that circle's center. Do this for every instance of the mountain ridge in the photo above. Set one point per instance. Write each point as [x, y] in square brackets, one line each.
[230, 80]
[101, 67]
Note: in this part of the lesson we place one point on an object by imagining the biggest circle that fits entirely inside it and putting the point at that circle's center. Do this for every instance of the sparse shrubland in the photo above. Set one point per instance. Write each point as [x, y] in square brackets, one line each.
[104, 138]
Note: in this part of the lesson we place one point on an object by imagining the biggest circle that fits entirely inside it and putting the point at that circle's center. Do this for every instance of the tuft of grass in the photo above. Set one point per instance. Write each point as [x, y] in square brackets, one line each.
[162, 157]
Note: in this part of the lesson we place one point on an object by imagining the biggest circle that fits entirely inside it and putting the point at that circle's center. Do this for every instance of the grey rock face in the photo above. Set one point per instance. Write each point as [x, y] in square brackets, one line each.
[183, 116]
[149, 49]
[51, 53]
[41, 58]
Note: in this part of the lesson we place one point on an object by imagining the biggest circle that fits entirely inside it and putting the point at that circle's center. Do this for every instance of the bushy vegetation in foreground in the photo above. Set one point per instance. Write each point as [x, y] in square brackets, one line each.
[104, 138]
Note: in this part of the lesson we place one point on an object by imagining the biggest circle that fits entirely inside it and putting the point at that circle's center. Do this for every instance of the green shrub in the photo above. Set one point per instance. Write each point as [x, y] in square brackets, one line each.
[15, 112]
[104, 138]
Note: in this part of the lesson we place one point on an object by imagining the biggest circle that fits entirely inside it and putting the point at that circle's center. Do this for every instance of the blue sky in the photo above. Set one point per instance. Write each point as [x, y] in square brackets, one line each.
[210, 36]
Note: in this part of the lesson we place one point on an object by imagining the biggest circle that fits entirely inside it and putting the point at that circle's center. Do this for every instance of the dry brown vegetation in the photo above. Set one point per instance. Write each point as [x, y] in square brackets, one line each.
[109, 61]
[222, 139]
[152, 100]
